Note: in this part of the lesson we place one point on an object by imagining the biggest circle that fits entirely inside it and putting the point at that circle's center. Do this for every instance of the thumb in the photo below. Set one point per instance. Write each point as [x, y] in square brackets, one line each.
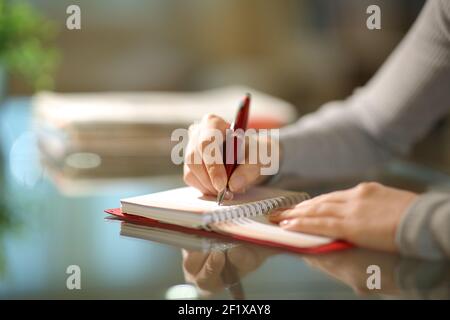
[244, 176]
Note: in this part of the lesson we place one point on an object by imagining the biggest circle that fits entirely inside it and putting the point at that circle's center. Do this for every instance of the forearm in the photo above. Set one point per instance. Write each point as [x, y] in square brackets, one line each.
[330, 143]
[386, 117]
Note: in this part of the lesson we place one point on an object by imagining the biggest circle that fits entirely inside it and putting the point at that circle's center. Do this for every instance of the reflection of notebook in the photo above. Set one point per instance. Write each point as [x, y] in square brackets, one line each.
[189, 241]
[241, 218]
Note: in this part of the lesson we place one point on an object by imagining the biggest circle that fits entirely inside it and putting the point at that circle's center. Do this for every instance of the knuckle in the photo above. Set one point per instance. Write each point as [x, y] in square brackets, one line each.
[317, 208]
[322, 208]
[214, 121]
[366, 188]
[209, 117]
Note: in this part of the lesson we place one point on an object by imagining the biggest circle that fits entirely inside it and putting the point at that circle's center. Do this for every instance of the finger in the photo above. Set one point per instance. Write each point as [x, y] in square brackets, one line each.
[323, 209]
[210, 144]
[194, 164]
[361, 291]
[323, 226]
[318, 264]
[193, 262]
[280, 214]
[245, 259]
[205, 179]
[277, 212]
[216, 174]
[335, 196]
[209, 277]
[199, 170]
[191, 180]
[197, 136]
[244, 176]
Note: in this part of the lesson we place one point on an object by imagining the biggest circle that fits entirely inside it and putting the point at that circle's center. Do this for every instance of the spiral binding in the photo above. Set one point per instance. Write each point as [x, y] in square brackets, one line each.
[253, 209]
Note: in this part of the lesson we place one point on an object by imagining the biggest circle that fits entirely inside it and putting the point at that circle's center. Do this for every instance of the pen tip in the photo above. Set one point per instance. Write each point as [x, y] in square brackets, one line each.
[220, 197]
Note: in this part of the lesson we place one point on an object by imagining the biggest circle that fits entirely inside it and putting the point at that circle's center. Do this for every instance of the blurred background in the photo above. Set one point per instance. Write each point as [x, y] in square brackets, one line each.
[306, 52]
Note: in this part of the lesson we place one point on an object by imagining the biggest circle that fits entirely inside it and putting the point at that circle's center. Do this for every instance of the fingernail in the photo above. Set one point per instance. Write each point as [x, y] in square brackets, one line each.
[285, 223]
[276, 213]
[228, 195]
[237, 183]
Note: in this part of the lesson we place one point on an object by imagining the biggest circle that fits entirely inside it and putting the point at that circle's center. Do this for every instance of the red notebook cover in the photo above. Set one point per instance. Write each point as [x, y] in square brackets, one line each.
[333, 246]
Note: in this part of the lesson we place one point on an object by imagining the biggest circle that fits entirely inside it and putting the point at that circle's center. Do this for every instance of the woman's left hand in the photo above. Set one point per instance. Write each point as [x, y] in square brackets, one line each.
[367, 215]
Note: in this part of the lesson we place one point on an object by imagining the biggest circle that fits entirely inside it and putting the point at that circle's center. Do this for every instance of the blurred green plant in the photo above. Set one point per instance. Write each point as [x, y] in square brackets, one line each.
[26, 44]
[5, 225]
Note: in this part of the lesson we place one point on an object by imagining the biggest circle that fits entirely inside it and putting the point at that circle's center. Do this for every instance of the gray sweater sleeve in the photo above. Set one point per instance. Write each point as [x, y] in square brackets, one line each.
[409, 93]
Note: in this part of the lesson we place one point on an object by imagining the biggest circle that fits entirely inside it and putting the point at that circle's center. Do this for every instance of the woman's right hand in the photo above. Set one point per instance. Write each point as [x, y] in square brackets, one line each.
[211, 178]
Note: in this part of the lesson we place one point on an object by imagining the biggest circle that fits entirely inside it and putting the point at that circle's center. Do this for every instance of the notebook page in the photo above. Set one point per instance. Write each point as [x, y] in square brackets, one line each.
[191, 200]
[259, 228]
[182, 199]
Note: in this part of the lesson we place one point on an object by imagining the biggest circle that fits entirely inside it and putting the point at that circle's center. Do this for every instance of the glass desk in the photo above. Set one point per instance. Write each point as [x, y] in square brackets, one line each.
[49, 222]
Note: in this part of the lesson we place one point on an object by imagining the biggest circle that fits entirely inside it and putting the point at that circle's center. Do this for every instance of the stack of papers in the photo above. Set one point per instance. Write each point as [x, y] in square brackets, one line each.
[127, 134]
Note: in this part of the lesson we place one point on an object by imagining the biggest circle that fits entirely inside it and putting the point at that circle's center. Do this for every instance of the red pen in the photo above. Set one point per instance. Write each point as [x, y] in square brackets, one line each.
[240, 122]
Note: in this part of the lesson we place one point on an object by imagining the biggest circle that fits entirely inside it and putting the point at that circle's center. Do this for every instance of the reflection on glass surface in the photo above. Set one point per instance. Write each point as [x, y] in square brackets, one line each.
[181, 291]
[24, 160]
[211, 272]
[83, 160]
[218, 270]
[400, 277]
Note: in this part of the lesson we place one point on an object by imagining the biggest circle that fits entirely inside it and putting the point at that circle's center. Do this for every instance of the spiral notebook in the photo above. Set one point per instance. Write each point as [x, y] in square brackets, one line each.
[243, 217]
